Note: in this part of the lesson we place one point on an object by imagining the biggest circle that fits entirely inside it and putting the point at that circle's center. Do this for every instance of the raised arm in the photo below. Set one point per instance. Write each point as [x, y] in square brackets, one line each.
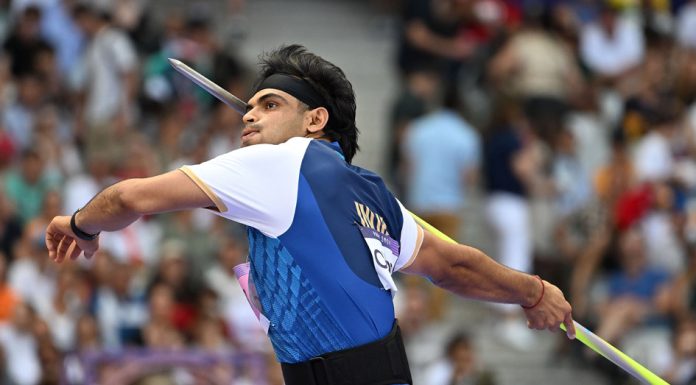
[470, 273]
[120, 205]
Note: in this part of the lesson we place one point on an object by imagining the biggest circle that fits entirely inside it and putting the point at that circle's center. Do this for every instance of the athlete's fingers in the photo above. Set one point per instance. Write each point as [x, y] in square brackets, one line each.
[90, 249]
[554, 327]
[63, 247]
[50, 245]
[74, 251]
[58, 247]
[570, 325]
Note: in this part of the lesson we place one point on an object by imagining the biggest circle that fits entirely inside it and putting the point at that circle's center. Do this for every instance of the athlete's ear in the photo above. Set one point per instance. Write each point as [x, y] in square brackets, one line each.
[316, 119]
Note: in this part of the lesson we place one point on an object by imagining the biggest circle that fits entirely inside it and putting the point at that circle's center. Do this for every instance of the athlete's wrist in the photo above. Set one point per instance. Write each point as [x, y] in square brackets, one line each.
[79, 230]
[535, 294]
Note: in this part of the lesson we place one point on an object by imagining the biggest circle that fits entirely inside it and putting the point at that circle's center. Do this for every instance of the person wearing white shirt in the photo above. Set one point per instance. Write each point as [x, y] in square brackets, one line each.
[613, 44]
[686, 25]
[21, 355]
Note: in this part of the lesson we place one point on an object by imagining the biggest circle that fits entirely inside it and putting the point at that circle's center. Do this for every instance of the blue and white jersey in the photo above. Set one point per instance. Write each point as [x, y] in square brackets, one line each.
[324, 238]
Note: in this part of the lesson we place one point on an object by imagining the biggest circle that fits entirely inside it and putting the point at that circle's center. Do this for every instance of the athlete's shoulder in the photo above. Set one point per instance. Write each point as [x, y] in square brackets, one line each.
[370, 176]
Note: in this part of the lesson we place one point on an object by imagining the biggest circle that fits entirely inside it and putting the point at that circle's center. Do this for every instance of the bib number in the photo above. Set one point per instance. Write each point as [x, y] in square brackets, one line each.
[384, 251]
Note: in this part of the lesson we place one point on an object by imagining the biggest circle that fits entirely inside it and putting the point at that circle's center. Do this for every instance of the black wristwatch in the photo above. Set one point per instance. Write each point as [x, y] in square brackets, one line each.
[79, 233]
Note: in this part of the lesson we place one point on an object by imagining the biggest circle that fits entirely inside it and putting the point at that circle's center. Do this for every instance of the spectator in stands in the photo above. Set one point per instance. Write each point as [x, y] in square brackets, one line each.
[8, 298]
[160, 331]
[429, 33]
[419, 90]
[442, 152]
[64, 308]
[87, 334]
[20, 348]
[632, 290]
[686, 25]
[611, 45]
[242, 325]
[536, 66]
[459, 366]
[680, 299]
[35, 229]
[510, 167]
[118, 305]
[19, 118]
[174, 271]
[107, 82]
[653, 156]
[27, 187]
[424, 334]
[25, 42]
[683, 367]
[11, 229]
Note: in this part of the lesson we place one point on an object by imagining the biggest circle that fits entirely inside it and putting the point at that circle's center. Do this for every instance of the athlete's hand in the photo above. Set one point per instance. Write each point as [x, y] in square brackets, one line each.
[551, 311]
[61, 242]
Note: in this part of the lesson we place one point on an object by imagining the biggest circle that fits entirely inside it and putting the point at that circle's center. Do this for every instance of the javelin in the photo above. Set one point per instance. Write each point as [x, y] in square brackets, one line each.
[212, 88]
[583, 334]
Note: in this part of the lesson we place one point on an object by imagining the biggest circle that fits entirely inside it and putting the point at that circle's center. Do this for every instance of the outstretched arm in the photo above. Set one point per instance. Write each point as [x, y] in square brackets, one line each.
[120, 205]
[470, 273]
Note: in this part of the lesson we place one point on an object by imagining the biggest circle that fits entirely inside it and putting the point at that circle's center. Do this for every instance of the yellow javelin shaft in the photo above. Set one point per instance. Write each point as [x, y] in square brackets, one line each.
[583, 334]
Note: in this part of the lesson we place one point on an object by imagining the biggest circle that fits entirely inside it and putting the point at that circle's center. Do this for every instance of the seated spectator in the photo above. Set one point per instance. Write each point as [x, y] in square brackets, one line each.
[20, 346]
[27, 187]
[680, 298]
[20, 116]
[538, 68]
[443, 154]
[653, 156]
[429, 33]
[87, 334]
[32, 276]
[632, 290]
[686, 25]
[683, 366]
[35, 230]
[11, 229]
[459, 366]
[65, 307]
[233, 305]
[160, 331]
[611, 45]
[174, 272]
[419, 89]
[423, 335]
[118, 306]
[25, 41]
[8, 298]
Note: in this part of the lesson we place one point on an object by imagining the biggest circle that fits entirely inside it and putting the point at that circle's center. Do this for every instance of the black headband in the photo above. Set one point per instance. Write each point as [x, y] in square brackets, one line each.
[296, 87]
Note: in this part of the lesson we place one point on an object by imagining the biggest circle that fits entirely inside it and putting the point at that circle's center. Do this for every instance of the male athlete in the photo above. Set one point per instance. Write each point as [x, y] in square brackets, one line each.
[324, 235]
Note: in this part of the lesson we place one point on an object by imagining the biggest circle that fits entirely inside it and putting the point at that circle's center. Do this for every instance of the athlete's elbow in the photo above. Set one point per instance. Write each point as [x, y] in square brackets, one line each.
[130, 198]
[457, 272]
[453, 279]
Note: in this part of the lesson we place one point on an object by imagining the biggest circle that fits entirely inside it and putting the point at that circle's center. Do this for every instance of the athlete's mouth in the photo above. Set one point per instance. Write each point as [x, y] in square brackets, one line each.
[248, 133]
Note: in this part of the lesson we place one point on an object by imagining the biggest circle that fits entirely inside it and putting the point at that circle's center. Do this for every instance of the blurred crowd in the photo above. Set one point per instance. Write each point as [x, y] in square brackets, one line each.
[88, 98]
[572, 126]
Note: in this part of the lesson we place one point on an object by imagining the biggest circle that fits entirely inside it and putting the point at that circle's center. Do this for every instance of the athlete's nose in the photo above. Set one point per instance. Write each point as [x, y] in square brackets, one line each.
[249, 117]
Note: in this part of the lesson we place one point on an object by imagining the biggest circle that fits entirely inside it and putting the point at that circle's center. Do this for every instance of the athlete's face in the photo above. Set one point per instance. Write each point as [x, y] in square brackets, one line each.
[274, 116]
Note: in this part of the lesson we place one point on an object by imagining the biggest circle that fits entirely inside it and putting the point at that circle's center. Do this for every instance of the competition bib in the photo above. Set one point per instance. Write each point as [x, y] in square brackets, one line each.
[385, 252]
[243, 277]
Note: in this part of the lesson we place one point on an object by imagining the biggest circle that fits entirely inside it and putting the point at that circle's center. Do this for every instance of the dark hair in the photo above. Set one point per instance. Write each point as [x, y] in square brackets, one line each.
[457, 340]
[328, 80]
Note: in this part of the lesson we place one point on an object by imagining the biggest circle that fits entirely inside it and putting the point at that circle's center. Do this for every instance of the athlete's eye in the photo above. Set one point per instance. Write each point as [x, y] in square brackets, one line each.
[271, 105]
